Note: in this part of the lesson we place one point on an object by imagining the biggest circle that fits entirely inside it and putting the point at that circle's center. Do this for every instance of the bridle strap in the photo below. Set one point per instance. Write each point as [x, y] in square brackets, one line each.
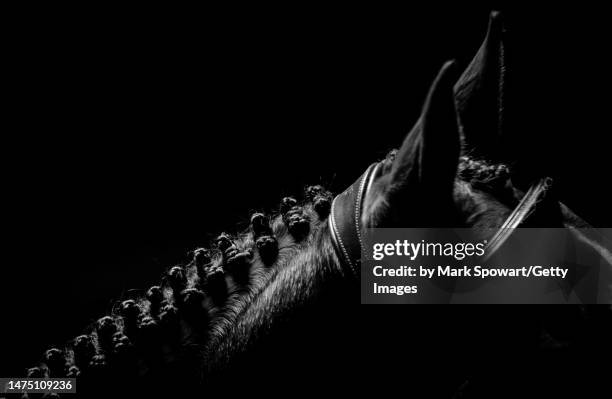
[345, 220]
[525, 207]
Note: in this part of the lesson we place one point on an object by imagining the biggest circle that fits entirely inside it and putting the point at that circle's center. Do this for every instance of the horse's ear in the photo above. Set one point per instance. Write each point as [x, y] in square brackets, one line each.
[430, 152]
[423, 170]
[479, 94]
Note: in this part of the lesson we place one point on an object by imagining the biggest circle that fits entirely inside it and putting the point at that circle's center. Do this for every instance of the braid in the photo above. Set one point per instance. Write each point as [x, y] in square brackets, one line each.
[84, 350]
[321, 200]
[176, 280]
[121, 344]
[168, 316]
[201, 259]
[155, 297]
[235, 260]
[216, 285]
[266, 243]
[105, 329]
[482, 174]
[130, 312]
[55, 361]
[295, 218]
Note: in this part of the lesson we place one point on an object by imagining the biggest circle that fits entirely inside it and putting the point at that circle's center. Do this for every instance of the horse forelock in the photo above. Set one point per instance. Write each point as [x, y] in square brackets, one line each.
[483, 192]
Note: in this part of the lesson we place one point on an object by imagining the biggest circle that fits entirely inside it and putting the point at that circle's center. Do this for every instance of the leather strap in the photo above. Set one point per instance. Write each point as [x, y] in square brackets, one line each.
[345, 220]
[525, 207]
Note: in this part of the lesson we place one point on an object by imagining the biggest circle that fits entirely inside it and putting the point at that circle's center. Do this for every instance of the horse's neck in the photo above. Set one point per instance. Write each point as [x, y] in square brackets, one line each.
[307, 273]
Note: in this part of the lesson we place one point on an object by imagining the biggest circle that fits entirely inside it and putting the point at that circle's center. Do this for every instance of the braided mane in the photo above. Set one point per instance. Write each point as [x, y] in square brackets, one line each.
[190, 323]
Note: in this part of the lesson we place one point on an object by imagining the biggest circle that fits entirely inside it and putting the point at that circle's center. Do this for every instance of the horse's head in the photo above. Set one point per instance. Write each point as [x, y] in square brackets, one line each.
[439, 176]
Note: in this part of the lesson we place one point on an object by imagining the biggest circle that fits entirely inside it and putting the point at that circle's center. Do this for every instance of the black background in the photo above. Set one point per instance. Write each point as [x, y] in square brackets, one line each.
[132, 136]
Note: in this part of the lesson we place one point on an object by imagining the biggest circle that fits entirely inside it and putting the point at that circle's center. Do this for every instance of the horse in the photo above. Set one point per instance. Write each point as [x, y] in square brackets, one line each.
[274, 309]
